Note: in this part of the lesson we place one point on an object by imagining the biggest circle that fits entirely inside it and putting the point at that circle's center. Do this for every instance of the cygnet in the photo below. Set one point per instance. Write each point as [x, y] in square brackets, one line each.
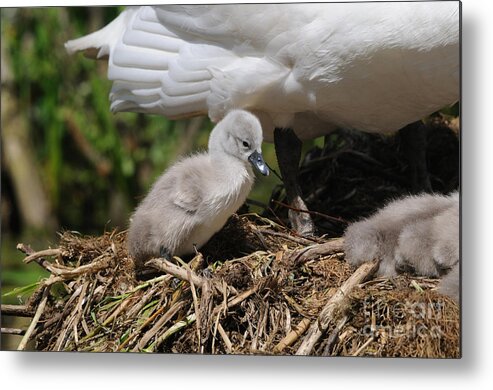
[420, 234]
[194, 198]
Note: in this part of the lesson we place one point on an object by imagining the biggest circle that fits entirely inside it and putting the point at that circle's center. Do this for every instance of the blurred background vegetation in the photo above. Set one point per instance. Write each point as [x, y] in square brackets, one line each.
[67, 162]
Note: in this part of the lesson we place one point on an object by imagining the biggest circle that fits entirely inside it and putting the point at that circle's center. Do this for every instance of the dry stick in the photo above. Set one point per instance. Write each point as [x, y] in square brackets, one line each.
[366, 344]
[186, 274]
[13, 331]
[62, 274]
[172, 330]
[34, 322]
[329, 217]
[196, 308]
[16, 310]
[318, 328]
[134, 310]
[137, 331]
[41, 254]
[197, 261]
[84, 269]
[206, 302]
[112, 317]
[298, 240]
[170, 268]
[68, 322]
[292, 336]
[226, 340]
[158, 325]
[218, 315]
[26, 249]
[310, 252]
[333, 336]
[238, 299]
[79, 312]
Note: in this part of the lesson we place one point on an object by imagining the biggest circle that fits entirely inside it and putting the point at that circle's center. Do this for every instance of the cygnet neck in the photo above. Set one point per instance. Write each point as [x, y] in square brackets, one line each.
[228, 163]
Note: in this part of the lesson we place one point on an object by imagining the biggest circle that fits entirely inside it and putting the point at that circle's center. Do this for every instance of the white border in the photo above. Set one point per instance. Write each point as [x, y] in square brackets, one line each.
[474, 370]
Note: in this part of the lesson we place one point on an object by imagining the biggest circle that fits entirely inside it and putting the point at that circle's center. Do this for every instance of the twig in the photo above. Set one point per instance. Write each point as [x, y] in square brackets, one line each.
[13, 331]
[292, 336]
[136, 332]
[299, 240]
[318, 328]
[366, 344]
[41, 254]
[170, 268]
[158, 325]
[92, 267]
[325, 216]
[227, 342]
[172, 330]
[26, 249]
[333, 336]
[196, 308]
[311, 252]
[16, 310]
[34, 322]
[238, 299]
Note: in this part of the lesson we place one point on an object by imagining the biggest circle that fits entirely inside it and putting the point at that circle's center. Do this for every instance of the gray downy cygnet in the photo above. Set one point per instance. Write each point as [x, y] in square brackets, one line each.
[419, 234]
[194, 198]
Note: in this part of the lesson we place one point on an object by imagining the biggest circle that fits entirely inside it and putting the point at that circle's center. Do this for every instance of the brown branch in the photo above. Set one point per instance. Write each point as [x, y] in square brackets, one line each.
[315, 251]
[333, 336]
[227, 342]
[325, 216]
[34, 322]
[170, 313]
[318, 328]
[26, 249]
[16, 310]
[136, 332]
[13, 331]
[172, 269]
[292, 336]
[298, 240]
[41, 254]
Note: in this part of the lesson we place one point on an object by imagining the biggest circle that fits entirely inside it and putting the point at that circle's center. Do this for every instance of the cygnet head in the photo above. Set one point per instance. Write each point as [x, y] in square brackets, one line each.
[239, 134]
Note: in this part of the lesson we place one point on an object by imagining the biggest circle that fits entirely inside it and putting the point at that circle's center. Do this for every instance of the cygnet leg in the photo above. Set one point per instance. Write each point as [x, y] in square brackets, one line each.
[288, 152]
[413, 141]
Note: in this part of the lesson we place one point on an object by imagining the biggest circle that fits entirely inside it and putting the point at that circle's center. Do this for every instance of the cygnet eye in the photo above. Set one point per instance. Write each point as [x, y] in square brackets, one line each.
[246, 144]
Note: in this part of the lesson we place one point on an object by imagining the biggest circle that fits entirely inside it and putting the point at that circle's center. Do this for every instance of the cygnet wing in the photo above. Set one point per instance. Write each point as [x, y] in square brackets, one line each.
[188, 192]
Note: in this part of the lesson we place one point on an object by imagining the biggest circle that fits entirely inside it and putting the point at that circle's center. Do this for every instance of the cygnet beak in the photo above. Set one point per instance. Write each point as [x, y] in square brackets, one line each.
[258, 162]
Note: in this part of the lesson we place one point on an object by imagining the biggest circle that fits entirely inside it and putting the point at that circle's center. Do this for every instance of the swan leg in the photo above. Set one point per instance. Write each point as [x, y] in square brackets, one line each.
[413, 141]
[165, 253]
[288, 152]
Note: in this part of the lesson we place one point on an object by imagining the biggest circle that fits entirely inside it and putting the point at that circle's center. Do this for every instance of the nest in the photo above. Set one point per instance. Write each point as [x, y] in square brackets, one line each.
[256, 288]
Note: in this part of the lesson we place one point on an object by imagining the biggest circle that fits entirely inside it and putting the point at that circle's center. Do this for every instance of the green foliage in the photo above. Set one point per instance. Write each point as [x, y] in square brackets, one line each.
[95, 165]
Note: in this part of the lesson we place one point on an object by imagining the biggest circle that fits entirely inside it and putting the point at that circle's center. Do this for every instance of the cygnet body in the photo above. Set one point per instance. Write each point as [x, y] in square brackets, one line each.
[194, 198]
[420, 234]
